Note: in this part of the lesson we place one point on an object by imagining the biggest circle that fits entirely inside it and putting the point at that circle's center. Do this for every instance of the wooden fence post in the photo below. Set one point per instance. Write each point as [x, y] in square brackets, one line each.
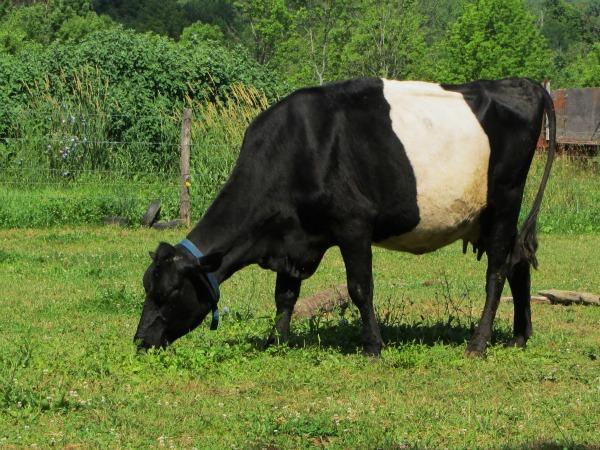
[186, 126]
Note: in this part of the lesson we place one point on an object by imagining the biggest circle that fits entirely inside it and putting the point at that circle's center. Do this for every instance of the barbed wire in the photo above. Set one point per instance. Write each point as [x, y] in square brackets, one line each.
[68, 141]
[67, 113]
[100, 171]
[87, 142]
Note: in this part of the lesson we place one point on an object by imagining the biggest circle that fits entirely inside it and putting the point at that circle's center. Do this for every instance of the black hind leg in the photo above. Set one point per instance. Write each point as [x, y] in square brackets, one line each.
[358, 261]
[520, 284]
[287, 290]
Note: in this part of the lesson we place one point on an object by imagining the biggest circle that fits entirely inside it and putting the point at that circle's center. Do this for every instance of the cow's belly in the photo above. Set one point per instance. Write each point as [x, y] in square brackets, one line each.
[460, 222]
[449, 153]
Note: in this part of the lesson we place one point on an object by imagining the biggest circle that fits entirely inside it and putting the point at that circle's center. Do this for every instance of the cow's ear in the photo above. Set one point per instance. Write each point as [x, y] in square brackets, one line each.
[152, 255]
[210, 263]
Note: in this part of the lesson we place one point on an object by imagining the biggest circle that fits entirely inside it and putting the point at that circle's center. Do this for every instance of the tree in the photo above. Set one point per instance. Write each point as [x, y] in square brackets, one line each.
[494, 39]
[591, 67]
[311, 49]
[437, 15]
[584, 71]
[268, 23]
[214, 12]
[202, 32]
[164, 17]
[591, 22]
[387, 40]
[61, 10]
[23, 24]
[77, 27]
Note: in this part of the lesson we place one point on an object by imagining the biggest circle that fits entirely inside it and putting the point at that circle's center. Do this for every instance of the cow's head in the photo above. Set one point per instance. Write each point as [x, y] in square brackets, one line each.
[179, 295]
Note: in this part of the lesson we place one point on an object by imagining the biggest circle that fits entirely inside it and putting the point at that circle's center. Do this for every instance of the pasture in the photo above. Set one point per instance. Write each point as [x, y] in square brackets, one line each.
[70, 376]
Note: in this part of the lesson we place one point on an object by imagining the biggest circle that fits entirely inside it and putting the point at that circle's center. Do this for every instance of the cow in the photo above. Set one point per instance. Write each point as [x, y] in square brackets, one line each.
[404, 165]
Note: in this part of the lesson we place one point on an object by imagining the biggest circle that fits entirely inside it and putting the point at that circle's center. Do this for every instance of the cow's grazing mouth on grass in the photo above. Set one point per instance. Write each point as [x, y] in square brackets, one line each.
[407, 166]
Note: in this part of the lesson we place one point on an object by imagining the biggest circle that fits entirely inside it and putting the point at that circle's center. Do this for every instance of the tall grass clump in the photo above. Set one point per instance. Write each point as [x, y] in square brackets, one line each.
[71, 125]
[217, 135]
[572, 198]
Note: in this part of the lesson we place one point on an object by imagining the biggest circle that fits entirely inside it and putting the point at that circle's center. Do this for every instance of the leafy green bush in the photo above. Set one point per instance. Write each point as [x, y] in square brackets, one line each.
[112, 86]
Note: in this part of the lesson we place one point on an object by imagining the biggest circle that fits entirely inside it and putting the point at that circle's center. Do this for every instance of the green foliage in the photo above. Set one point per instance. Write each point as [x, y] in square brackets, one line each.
[29, 23]
[40, 22]
[159, 16]
[591, 67]
[199, 33]
[562, 24]
[70, 173]
[75, 28]
[334, 39]
[311, 51]
[387, 40]
[584, 71]
[268, 23]
[59, 11]
[494, 39]
[216, 12]
[437, 15]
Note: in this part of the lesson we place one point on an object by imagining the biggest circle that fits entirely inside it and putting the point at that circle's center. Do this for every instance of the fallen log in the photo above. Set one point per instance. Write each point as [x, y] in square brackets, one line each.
[571, 297]
[556, 297]
[323, 302]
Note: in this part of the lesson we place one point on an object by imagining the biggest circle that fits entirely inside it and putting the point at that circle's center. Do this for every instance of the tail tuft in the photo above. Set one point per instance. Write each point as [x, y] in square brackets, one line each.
[526, 245]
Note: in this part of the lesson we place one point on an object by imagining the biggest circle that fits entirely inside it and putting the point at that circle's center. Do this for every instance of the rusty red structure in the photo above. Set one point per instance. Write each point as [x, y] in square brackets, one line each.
[577, 117]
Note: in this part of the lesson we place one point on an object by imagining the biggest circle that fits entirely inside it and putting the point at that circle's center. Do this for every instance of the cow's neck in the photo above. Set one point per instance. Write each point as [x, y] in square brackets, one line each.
[232, 228]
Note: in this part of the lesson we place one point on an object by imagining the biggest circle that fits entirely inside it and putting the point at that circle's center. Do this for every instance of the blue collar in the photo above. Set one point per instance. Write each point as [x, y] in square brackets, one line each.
[212, 280]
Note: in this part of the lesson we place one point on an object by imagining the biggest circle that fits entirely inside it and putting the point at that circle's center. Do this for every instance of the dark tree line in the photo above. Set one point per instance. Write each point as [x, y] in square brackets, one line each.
[314, 41]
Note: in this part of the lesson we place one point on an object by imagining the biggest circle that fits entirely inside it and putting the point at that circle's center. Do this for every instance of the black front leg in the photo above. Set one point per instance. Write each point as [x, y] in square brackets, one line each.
[500, 243]
[494, 284]
[287, 290]
[359, 272]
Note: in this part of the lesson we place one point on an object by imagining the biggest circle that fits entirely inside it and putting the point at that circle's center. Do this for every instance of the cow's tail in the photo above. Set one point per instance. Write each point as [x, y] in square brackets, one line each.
[526, 243]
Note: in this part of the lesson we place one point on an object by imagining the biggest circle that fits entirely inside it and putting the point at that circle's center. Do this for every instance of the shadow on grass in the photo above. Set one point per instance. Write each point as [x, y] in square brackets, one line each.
[545, 445]
[345, 337]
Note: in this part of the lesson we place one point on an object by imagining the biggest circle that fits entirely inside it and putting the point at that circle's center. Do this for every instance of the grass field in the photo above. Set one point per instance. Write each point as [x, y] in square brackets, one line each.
[69, 374]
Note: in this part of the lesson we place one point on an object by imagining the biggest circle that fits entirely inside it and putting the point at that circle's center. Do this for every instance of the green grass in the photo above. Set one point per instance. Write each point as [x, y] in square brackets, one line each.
[85, 202]
[69, 374]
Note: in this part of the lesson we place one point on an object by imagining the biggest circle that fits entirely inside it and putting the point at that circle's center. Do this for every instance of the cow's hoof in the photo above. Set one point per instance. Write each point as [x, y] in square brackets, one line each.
[373, 351]
[275, 339]
[270, 341]
[475, 349]
[517, 341]
[474, 353]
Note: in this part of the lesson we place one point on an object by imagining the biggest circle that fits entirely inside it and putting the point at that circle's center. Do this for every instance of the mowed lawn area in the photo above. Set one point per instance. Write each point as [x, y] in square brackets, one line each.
[70, 376]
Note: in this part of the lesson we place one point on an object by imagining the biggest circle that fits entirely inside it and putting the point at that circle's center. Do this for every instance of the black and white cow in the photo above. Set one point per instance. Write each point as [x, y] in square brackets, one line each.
[407, 166]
